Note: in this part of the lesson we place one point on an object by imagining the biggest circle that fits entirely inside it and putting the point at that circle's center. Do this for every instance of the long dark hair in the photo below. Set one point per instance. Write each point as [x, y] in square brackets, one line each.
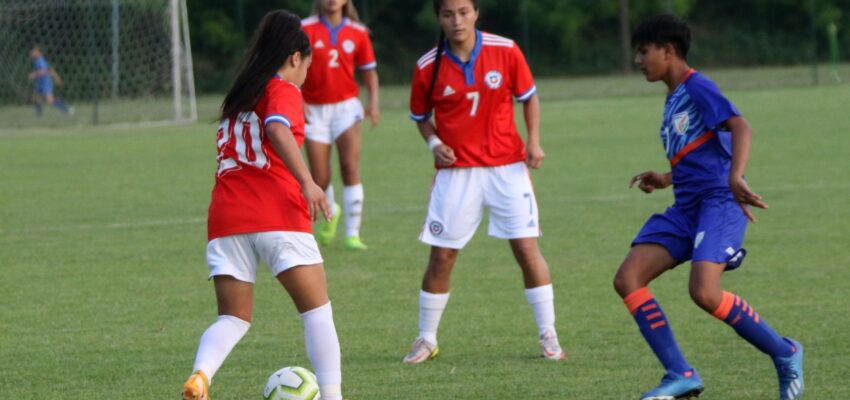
[278, 37]
[438, 4]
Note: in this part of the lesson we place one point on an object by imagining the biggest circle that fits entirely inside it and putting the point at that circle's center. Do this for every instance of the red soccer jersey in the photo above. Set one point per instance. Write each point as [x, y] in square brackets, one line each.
[336, 53]
[472, 102]
[254, 190]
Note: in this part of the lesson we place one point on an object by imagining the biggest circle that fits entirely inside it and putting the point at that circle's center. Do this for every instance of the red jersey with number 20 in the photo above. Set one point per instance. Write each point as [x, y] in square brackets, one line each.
[254, 190]
[337, 51]
[472, 102]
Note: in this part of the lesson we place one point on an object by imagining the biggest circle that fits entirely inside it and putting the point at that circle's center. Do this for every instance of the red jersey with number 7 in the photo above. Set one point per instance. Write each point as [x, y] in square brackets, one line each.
[337, 52]
[471, 101]
[254, 190]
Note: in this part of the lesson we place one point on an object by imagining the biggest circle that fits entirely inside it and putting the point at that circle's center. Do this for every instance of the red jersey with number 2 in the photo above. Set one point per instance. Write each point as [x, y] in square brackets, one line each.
[254, 190]
[472, 101]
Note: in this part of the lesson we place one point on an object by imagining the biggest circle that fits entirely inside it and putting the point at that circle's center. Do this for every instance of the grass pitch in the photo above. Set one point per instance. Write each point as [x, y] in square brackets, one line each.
[103, 295]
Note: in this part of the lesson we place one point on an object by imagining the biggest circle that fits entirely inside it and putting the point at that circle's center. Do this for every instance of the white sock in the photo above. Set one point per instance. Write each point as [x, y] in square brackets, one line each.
[352, 203]
[542, 304]
[217, 342]
[431, 306]
[323, 350]
[329, 197]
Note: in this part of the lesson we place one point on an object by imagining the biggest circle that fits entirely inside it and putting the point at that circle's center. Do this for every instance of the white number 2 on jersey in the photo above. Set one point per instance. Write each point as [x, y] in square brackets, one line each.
[334, 63]
[247, 143]
[474, 97]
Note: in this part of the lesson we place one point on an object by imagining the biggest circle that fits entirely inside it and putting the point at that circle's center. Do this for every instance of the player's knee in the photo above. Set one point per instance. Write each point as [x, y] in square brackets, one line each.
[706, 298]
[623, 285]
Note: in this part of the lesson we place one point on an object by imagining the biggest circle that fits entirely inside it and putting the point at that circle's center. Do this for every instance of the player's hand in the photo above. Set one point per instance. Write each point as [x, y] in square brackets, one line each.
[373, 112]
[745, 197]
[316, 201]
[534, 156]
[444, 156]
[648, 181]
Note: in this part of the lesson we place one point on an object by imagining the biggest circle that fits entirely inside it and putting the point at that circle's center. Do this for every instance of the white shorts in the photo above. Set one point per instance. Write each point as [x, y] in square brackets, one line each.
[239, 255]
[327, 122]
[459, 196]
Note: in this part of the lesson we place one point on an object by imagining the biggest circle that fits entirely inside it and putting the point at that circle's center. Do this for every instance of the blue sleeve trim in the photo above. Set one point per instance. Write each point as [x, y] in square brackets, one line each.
[367, 67]
[278, 118]
[522, 98]
[420, 117]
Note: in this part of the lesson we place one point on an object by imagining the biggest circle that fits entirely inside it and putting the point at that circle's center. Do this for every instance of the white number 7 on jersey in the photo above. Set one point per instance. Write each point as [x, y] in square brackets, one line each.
[474, 97]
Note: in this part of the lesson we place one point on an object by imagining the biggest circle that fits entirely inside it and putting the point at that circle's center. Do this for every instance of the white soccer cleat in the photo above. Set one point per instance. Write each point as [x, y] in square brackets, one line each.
[421, 350]
[550, 349]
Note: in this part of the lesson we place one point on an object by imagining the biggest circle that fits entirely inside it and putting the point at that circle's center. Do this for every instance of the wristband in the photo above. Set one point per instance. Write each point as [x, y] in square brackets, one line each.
[433, 142]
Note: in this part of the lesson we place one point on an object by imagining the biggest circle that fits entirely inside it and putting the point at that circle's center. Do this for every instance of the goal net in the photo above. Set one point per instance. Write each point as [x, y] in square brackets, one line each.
[112, 61]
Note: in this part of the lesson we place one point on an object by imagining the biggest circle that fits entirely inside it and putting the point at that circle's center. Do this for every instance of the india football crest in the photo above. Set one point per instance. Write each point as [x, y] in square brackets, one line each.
[493, 79]
[681, 122]
[348, 46]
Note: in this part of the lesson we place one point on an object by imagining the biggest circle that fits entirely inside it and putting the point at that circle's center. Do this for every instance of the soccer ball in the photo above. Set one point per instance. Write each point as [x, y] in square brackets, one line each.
[292, 383]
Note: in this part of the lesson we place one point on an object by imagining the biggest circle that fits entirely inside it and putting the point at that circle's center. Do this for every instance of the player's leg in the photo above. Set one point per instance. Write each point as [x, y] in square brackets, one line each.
[232, 264]
[348, 142]
[38, 104]
[58, 103]
[294, 258]
[721, 232]
[539, 294]
[319, 158]
[454, 213]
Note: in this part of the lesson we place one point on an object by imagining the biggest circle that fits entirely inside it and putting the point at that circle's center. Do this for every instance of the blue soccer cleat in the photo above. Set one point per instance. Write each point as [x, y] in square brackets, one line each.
[790, 372]
[676, 386]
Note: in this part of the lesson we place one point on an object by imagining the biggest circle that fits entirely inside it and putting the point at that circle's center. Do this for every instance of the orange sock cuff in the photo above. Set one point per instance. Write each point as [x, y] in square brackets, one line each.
[636, 298]
[725, 306]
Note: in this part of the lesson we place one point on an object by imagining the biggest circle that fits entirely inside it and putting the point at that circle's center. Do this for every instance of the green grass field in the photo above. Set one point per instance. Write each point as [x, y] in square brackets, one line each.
[103, 292]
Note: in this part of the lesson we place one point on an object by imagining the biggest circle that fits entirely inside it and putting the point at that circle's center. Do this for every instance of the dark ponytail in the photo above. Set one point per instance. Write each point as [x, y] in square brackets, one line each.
[278, 37]
[438, 4]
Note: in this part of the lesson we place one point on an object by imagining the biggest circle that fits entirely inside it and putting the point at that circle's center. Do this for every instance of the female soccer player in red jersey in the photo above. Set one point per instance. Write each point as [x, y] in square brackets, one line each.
[262, 204]
[467, 81]
[340, 45]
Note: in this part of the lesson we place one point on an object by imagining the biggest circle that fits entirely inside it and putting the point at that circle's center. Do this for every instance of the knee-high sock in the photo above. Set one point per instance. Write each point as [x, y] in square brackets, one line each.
[656, 330]
[329, 197]
[352, 204]
[39, 109]
[58, 103]
[217, 342]
[431, 306]
[323, 350]
[736, 313]
[542, 301]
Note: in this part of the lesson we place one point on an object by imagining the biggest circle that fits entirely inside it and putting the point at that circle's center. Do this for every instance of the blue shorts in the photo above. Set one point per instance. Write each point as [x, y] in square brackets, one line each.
[44, 86]
[711, 230]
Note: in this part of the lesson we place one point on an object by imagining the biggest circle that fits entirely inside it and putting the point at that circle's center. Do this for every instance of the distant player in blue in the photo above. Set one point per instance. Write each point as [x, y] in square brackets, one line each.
[707, 142]
[44, 77]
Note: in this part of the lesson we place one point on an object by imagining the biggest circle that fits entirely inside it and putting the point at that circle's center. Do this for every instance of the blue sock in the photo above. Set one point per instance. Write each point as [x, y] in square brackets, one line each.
[60, 105]
[39, 110]
[656, 330]
[746, 322]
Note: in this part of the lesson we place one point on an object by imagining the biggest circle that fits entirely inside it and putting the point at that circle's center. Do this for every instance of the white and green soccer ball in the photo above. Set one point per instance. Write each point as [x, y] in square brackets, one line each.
[292, 383]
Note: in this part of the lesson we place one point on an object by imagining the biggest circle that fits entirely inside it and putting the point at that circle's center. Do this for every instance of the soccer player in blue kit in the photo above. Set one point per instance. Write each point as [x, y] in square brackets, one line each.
[44, 77]
[707, 142]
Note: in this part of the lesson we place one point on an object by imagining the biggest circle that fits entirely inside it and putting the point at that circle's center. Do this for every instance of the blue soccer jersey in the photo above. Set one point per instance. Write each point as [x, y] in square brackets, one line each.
[43, 83]
[697, 143]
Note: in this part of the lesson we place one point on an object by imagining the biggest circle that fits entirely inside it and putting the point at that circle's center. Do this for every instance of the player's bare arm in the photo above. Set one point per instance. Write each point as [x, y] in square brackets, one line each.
[534, 152]
[742, 135]
[444, 156]
[648, 181]
[373, 110]
[286, 148]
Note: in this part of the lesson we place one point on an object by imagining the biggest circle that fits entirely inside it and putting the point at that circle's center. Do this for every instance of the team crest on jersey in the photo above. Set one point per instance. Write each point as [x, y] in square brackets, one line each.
[319, 45]
[436, 228]
[681, 122]
[348, 46]
[493, 79]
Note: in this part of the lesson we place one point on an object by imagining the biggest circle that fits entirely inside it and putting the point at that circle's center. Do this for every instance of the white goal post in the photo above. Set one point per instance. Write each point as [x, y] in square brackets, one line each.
[112, 62]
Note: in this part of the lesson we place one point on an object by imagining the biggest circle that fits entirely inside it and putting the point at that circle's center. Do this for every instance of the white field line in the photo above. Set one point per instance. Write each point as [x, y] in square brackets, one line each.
[612, 198]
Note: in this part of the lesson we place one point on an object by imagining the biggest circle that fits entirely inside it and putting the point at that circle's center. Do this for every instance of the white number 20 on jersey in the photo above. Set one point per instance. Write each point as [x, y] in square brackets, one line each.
[243, 137]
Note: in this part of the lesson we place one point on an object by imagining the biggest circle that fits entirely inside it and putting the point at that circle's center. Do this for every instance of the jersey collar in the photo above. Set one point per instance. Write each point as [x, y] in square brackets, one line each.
[333, 30]
[468, 67]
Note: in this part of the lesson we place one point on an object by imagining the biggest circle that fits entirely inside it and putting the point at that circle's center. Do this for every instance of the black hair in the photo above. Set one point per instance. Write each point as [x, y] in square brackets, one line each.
[278, 36]
[438, 4]
[661, 30]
